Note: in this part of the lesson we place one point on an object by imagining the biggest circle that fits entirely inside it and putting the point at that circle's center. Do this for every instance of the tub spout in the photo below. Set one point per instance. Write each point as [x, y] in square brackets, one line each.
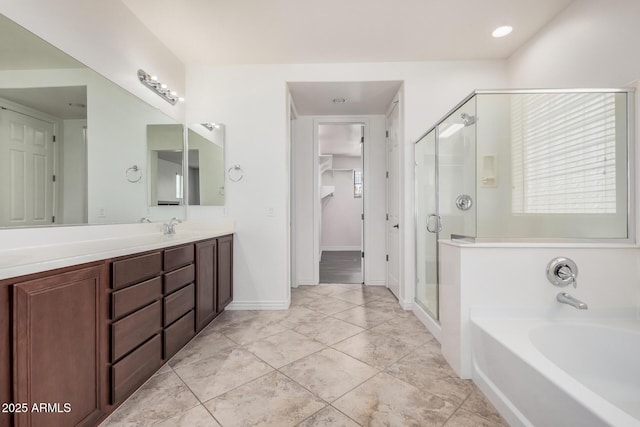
[565, 298]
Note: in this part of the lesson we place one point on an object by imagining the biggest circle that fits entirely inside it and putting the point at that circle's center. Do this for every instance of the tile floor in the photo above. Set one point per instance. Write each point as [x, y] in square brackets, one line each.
[342, 355]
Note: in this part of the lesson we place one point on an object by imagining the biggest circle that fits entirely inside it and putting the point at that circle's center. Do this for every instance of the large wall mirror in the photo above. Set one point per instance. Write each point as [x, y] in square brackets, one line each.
[73, 145]
[206, 164]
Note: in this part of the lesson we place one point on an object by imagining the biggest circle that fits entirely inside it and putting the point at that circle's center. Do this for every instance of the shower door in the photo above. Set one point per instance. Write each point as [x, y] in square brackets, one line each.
[427, 225]
[445, 197]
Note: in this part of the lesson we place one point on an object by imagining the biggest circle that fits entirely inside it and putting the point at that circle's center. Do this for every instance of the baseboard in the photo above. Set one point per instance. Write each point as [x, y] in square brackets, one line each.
[258, 305]
[406, 305]
[340, 248]
[306, 283]
[376, 283]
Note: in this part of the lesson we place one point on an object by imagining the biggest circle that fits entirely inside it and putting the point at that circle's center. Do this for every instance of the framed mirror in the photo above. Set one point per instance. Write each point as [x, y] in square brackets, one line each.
[206, 166]
[73, 144]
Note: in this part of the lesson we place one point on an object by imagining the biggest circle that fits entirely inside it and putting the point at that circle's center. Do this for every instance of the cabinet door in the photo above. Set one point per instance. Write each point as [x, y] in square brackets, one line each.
[5, 353]
[57, 356]
[225, 272]
[206, 282]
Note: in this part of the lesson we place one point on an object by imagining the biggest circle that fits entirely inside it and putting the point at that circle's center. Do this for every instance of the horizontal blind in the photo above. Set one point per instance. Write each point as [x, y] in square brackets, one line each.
[563, 153]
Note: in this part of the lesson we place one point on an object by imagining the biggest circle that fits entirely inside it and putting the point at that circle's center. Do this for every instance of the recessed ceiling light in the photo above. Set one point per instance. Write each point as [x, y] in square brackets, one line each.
[502, 31]
[339, 100]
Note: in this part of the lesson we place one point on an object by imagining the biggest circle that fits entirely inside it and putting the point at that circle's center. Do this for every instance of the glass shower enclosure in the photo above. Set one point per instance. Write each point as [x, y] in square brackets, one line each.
[544, 166]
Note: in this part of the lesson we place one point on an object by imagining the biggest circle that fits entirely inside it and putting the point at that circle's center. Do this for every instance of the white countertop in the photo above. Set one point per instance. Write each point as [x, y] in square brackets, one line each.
[59, 247]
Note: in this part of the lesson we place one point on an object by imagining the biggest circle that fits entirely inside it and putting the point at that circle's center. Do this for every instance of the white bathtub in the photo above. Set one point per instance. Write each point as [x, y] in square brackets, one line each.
[561, 373]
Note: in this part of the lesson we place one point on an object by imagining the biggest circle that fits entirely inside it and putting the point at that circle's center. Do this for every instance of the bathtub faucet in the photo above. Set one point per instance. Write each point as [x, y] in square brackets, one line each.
[565, 298]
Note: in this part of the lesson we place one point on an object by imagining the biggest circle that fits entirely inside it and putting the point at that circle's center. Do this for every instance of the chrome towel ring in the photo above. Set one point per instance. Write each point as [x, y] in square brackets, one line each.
[133, 174]
[235, 173]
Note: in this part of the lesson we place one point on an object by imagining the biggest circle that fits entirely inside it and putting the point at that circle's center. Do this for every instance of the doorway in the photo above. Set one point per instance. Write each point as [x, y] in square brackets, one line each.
[341, 202]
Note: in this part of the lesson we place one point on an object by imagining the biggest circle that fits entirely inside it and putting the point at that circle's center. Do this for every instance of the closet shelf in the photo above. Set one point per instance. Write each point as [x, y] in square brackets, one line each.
[326, 190]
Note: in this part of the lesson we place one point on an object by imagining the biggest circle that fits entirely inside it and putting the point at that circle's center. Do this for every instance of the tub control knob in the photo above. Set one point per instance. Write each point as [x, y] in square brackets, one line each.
[562, 272]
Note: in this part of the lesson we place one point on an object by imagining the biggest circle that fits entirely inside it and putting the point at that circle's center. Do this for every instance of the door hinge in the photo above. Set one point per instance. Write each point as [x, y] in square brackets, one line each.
[54, 138]
[53, 178]
[362, 254]
[362, 139]
[53, 219]
[387, 258]
[362, 216]
[387, 175]
[387, 134]
[387, 217]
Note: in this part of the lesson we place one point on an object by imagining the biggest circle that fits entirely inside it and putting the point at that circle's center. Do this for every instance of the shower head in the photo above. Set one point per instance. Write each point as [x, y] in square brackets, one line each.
[467, 119]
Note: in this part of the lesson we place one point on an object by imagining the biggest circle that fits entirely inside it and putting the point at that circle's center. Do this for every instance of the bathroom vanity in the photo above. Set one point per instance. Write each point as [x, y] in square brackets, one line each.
[76, 341]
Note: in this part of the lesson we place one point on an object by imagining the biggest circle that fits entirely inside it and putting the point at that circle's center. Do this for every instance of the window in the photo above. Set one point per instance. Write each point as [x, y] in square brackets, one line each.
[564, 153]
[357, 183]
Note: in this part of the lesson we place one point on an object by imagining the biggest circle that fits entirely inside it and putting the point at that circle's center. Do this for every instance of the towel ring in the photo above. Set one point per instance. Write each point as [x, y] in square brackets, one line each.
[235, 173]
[132, 173]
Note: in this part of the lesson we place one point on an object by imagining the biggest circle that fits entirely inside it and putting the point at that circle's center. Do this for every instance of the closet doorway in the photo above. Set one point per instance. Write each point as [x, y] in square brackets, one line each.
[341, 162]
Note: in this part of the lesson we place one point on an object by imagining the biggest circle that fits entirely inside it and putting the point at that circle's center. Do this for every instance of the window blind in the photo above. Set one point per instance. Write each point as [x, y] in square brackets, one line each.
[563, 153]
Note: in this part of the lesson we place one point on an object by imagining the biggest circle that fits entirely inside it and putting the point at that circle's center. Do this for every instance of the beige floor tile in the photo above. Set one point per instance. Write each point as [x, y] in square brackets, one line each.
[462, 418]
[378, 290]
[300, 299]
[299, 315]
[406, 330]
[328, 417]
[201, 347]
[196, 417]
[328, 330]
[388, 305]
[228, 317]
[478, 404]
[326, 289]
[283, 348]
[272, 400]
[364, 317]
[374, 349]
[328, 305]
[387, 401]
[223, 371]
[355, 296]
[417, 369]
[162, 397]
[329, 374]
[250, 330]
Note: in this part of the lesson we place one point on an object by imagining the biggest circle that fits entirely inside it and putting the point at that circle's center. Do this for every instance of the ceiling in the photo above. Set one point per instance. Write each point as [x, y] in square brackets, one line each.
[65, 102]
[316, 98]
[213, 32]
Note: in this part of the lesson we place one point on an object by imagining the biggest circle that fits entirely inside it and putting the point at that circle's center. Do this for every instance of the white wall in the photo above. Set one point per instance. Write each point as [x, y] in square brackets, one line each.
[251, 100]
[592, 43]
[341, 222]
[107, 37]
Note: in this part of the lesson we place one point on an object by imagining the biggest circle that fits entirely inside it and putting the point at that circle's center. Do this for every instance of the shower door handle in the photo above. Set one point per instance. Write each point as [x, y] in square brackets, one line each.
[438, 224]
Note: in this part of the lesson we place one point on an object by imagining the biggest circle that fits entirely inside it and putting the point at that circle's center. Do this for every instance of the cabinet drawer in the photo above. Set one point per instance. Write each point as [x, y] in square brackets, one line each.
[133, 370]
[136, 269]
[133, 330]
[178, 303]
[132, 298]
[177, 257]
[178, 334]
[179, 278]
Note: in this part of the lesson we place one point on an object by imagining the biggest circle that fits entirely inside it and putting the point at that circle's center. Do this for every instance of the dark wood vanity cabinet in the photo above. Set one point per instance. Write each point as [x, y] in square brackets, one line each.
[58, 349]
[82, 339]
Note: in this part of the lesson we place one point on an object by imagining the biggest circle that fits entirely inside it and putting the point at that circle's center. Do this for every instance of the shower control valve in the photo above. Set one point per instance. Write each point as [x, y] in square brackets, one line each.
[562, 272]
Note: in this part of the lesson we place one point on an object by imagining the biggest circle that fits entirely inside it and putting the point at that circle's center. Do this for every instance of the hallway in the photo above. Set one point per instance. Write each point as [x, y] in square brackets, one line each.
[342, 355]
[340, 267]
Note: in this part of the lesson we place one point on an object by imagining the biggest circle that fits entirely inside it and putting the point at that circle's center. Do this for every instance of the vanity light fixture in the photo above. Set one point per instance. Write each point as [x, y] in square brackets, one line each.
[160, 88]
[502, 31]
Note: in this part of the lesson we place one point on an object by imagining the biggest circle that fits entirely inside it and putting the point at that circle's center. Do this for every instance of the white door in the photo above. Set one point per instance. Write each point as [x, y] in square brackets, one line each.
[393, 202]
[26, 170]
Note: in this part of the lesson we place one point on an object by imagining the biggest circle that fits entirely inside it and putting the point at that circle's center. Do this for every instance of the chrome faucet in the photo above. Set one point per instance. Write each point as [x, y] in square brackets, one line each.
[565, 298]
[170, 228]
[145, 219]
